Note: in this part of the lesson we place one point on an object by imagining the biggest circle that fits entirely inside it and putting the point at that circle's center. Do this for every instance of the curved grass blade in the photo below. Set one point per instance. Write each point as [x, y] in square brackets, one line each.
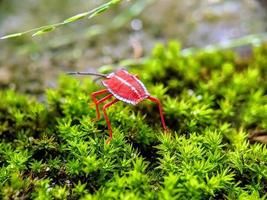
[99, 10]
[43, 31]
[76, 17]
[11, 36]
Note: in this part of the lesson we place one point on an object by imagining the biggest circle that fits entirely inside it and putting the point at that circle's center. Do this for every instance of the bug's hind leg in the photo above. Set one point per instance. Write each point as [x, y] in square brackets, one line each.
[93, 95]
[107, 119]
[155, 100]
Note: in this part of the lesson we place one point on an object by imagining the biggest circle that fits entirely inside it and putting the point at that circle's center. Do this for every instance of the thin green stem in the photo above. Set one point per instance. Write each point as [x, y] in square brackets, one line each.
[51, 27]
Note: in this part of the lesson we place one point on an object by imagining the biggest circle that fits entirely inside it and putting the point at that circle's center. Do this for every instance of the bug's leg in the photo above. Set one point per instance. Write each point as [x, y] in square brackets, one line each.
[93, 95]
[107, 119]
[155, 100]
[137, 76]
[99, 102]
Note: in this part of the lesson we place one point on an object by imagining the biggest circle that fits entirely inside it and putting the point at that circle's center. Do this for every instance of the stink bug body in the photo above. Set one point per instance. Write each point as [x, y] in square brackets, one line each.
[125, 87]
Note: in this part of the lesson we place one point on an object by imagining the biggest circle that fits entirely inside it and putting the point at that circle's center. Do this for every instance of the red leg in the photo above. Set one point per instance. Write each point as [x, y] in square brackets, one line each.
[107, 119]
[99, 102]
[160, 111]
[93, 95]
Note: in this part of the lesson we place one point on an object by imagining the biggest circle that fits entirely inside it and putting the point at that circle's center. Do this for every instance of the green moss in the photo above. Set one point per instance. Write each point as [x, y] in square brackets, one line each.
[212, 100]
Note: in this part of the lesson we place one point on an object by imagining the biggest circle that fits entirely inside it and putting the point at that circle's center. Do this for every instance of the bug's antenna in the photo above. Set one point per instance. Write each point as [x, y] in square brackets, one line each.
[87, 73]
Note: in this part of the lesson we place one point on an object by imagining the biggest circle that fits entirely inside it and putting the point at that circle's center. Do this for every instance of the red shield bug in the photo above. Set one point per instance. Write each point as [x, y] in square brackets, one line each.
[124, 87]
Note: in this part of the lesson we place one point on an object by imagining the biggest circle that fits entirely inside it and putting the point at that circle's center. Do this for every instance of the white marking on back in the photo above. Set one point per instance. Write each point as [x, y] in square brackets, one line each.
[129, 85]
[135, 78]
[142, 85]
[110, 75]
[119, 97]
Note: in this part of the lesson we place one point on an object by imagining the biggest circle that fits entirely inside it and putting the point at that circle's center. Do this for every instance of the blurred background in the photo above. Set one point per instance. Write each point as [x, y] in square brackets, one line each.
[129, 30]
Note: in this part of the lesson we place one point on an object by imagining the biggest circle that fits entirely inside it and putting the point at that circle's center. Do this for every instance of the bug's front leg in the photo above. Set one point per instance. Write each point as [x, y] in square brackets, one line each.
[93, 96]
[99, 102]
[107, 119]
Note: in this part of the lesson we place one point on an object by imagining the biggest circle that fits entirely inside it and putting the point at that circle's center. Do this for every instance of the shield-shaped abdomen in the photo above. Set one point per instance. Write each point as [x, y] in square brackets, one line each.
[126, 87]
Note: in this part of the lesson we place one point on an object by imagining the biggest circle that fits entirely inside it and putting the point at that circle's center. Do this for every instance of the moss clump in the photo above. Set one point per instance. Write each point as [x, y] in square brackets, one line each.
[212, 101]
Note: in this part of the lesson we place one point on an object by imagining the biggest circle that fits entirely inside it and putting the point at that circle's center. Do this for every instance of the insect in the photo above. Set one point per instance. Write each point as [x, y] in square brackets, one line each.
[124, 87]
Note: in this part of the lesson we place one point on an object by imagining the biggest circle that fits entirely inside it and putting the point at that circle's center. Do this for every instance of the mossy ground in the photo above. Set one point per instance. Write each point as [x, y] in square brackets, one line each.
[212, 101]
